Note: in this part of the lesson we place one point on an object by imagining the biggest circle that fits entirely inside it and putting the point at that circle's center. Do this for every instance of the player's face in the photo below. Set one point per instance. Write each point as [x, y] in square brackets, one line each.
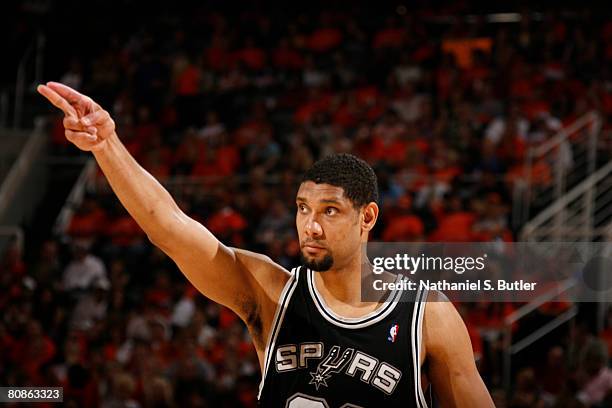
[328, 226]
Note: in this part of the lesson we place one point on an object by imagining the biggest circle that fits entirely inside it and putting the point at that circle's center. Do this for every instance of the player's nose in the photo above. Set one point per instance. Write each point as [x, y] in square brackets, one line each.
[313, 228]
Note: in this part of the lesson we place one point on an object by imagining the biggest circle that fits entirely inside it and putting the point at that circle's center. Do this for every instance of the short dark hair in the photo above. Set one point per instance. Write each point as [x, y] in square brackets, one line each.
[350, 172]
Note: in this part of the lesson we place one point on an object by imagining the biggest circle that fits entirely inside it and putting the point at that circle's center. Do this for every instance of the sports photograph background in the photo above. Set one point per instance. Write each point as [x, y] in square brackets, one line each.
[483, 122]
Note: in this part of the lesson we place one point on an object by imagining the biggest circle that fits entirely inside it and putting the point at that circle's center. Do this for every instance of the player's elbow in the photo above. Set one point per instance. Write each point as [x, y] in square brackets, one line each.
[157, 240]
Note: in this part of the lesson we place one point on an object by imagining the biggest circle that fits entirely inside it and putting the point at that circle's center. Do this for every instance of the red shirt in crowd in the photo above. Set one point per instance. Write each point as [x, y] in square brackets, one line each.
[324, 39]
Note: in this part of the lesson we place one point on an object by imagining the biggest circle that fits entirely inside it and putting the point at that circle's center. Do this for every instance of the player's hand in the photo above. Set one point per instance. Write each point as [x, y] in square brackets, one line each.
[87, 125]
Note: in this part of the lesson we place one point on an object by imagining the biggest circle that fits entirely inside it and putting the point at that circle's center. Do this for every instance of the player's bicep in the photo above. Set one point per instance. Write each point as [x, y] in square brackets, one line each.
[217, 271]
[451, 366]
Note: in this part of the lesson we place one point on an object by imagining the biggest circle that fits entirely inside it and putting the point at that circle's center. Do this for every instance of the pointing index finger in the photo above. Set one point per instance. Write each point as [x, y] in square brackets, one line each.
[56, 100]
[72, 96]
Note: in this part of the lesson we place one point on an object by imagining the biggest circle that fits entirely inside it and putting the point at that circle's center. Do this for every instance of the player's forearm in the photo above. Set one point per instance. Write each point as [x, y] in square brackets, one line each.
[141, 194]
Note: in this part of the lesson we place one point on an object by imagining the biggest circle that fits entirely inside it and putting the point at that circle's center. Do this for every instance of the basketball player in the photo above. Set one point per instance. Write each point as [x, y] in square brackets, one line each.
[318, 344]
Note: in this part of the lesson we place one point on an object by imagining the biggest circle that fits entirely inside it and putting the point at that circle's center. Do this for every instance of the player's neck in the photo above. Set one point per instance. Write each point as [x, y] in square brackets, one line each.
[341, 285]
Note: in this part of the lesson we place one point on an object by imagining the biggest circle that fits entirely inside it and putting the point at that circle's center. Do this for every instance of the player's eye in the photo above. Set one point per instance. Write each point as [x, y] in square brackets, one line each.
[331, 210]
[301, 208]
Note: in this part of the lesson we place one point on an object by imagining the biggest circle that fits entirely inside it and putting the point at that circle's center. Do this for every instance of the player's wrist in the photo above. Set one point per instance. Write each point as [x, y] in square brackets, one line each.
[106, 145]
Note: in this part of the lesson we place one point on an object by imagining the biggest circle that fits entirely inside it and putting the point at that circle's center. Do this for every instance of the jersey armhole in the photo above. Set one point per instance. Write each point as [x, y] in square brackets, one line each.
[416, 340]
[277, 322]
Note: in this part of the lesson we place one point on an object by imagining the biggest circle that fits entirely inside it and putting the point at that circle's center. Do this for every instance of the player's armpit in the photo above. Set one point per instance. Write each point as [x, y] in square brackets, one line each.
[267, 280]
[450, 360]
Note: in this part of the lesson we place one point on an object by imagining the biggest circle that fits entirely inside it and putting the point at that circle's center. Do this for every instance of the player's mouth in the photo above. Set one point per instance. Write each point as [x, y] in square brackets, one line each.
[312, 249]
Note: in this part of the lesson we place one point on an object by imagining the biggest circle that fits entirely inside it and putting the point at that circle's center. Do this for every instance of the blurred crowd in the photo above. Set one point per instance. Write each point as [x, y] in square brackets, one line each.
[228, 110]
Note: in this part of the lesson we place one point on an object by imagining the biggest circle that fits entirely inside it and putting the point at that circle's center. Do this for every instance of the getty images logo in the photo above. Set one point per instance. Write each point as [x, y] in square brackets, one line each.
[412, 264]
[393, 333]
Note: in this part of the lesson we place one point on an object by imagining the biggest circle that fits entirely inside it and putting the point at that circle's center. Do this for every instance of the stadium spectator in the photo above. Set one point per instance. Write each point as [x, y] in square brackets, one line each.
[84, 270]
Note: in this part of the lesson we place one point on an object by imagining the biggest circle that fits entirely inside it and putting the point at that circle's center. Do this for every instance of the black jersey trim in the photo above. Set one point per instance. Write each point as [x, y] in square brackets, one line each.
[416, 340]
[279, 314]
[349, 322]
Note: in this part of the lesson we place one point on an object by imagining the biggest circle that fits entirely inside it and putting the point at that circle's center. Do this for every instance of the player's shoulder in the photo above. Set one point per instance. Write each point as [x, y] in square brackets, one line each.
[263, 269]
[438, 309]
[436, 296]
[441, 321]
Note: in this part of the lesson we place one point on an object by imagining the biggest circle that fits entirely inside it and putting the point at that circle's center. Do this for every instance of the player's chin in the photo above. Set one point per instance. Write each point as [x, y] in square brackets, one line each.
[310, 259]
[318, 263]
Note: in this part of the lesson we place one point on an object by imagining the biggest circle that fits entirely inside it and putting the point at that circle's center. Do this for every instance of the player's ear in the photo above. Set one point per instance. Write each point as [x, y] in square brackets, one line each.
[370, 215]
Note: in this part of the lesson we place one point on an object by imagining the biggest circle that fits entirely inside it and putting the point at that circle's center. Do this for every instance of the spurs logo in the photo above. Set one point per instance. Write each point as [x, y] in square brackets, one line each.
[353, 363]
[333, 363]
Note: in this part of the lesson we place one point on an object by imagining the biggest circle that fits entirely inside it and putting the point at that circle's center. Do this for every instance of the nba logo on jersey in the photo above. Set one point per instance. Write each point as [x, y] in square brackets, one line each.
[393, 333]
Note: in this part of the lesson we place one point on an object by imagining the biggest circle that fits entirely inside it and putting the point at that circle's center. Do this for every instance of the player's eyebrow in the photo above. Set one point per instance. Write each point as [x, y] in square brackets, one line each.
[330, 201]
[323, 200]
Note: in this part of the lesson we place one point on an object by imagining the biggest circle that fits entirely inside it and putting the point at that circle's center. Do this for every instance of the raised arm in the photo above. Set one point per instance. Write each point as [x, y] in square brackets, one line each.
[450, 360]
[239, 279]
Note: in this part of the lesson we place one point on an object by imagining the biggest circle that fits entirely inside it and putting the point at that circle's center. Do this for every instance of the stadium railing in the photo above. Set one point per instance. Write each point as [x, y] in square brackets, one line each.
[24, 185]
[571, 155]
